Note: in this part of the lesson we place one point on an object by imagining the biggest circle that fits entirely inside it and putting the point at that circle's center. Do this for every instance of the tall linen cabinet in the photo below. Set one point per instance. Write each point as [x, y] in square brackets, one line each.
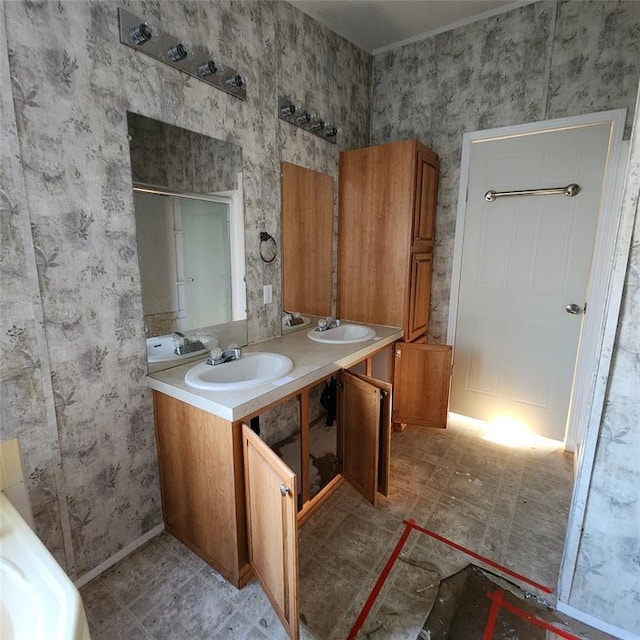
[388, 197]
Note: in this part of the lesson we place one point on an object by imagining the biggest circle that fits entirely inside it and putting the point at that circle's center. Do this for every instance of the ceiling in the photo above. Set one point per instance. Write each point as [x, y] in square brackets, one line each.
[380, 25]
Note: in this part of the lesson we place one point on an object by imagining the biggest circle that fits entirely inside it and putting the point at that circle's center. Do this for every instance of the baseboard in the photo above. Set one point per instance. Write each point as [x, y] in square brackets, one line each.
[596, 623]
[116, 557]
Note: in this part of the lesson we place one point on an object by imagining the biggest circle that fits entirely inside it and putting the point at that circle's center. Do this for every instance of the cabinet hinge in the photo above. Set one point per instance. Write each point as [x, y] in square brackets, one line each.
[396, 353]
[383, 394]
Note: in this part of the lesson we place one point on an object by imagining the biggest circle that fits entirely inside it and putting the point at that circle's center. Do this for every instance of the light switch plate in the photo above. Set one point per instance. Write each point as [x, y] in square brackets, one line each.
[267, 293]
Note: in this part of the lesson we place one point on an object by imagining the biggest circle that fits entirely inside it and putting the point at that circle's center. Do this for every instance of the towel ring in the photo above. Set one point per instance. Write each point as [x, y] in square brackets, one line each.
[268, 247]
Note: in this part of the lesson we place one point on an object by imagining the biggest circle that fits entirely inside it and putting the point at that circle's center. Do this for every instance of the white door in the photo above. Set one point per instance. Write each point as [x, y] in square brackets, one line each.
[524, 259]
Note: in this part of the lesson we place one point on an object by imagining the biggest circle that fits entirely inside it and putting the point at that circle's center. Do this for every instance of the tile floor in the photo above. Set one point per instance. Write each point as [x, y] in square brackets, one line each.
[509, 504]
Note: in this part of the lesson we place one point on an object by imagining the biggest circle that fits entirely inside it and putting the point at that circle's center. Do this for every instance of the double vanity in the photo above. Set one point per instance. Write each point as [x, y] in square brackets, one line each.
[226, 494]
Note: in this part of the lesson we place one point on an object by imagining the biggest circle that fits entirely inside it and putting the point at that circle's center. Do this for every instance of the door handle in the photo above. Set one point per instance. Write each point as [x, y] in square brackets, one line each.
[284, 490]
[574, 309]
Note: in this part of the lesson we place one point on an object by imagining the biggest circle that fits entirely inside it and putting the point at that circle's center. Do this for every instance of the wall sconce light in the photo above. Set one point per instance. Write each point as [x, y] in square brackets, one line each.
[299, 116]
[197, 61]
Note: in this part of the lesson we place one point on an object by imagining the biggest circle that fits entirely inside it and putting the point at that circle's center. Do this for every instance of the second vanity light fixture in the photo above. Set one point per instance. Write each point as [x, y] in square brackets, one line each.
[306, 118]
[197, 61]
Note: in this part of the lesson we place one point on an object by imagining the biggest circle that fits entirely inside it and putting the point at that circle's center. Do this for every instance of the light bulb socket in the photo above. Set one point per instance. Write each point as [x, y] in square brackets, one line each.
[235, 82]
[141, 34]
[207, 69]
[178, 52]
[316, 125]
[288, 110]
[329, 131]
[303, 118]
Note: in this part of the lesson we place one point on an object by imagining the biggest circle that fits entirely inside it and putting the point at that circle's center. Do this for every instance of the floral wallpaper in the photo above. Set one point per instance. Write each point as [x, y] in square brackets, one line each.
[26, 401]
[542, 60]
[73, 384]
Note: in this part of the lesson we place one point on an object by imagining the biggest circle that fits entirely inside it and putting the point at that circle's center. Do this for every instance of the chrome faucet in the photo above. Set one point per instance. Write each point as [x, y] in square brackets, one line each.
[324, 324]
[185, 345]
[220, 357]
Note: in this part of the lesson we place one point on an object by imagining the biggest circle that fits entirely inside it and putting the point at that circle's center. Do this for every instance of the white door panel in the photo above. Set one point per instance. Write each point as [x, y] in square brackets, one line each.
[524, 259]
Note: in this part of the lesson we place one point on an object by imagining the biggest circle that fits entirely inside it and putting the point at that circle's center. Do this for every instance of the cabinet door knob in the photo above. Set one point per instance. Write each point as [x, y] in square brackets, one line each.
[419, 238]
[284, 490]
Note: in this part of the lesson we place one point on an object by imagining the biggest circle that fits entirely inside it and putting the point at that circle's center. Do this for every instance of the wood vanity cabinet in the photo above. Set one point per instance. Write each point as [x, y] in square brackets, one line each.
[229, 497]
[388, 196]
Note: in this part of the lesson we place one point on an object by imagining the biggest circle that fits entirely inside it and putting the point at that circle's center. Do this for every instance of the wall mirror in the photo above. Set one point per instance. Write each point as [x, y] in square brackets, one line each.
[307, 244]
[190, 228]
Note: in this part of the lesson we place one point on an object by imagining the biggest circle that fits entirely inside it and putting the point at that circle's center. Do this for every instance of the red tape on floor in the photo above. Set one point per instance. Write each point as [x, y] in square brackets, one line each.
[409, 526]
[492, 618]
[380, 582]
[497, 599]
[477, 556]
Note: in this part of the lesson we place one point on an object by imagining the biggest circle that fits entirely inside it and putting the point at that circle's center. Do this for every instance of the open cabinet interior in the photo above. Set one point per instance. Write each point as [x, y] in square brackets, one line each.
[303, 432]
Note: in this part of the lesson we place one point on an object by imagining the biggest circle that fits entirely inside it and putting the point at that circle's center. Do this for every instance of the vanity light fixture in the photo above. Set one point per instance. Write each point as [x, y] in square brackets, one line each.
[197, 61]
[299, 116]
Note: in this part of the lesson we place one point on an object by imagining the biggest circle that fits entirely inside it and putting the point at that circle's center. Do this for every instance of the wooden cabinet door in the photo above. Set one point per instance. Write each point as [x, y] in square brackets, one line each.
[376, 215]
[421, 383]
[424, 215]
[204, 510]
[419, 295]
[270, 489]
[365, 421]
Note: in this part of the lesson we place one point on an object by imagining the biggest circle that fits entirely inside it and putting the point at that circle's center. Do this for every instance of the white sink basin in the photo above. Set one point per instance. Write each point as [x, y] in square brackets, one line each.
[161, 349]
[344, 334]
[251, 370]
[37, 599]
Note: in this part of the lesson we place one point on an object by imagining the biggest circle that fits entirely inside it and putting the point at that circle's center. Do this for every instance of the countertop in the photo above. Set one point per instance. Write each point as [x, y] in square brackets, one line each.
[313, 361]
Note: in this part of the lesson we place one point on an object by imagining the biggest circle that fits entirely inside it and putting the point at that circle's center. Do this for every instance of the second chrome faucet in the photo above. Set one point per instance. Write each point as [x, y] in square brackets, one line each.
[217, 356]
[325, 324]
